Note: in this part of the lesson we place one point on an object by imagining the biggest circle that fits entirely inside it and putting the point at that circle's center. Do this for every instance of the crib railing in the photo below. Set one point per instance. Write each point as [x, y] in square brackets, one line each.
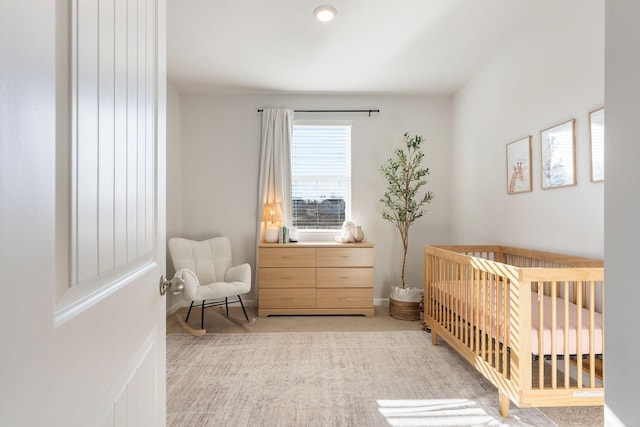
[480, 300]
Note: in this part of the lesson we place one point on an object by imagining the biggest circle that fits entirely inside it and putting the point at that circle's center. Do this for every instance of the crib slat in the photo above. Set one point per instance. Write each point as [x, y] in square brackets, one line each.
[492, 320]
[566, 335]
[603, 331]
[460, 308]
[475, 315]
[445, 296]
[481, 314]
[554, 325]
[579, 336]
[505, 329]
[592, 321]
[440, 294]
[484, 315]
[465, 306]
[456, 298]
[452, 301]
[540, 336]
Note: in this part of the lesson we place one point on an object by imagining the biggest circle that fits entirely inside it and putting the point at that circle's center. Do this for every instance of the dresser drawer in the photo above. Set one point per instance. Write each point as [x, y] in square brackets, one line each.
[345, 277]
[345, 298]
[302, 277]
[345, 257]
[287, 298]
[287, 257]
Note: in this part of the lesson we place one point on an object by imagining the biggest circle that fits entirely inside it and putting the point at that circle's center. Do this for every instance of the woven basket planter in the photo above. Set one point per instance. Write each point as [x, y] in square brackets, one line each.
[404, 310]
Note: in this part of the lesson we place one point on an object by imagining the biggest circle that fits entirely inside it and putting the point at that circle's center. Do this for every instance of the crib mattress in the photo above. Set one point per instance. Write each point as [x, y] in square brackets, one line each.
[542, 335]
[573, 331]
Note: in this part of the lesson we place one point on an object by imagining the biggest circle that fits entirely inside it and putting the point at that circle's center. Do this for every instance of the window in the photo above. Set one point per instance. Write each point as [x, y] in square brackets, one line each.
[321, 175]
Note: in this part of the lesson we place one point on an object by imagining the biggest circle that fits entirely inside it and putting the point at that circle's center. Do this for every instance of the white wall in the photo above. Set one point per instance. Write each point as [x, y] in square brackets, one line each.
[174, 180]
[220, 144]
[553, 73]
[622, 204]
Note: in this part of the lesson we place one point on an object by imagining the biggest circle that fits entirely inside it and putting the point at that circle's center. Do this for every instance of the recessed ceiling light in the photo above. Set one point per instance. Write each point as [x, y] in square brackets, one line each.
[325, 13]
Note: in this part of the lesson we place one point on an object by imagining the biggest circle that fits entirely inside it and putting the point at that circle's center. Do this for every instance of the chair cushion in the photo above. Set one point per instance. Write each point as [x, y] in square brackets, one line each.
[208, 259]
[221, 290]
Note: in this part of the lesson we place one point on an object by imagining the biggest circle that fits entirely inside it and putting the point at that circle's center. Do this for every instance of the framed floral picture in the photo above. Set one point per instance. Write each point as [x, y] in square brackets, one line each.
[596, 134]
[519, 166]
[558, 145]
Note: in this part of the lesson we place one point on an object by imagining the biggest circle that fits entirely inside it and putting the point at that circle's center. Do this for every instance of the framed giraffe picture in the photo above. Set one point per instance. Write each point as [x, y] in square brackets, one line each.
[519, 166]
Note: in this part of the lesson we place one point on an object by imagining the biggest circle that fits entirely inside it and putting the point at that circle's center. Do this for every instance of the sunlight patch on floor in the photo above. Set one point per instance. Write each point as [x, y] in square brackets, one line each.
[436, 412]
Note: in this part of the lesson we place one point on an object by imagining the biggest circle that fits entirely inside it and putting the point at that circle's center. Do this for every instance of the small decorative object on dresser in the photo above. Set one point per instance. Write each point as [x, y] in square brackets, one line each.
[401, 205]
[350, 233]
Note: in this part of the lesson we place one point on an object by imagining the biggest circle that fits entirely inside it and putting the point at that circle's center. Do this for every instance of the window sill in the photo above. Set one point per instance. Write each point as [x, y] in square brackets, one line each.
[317, 235]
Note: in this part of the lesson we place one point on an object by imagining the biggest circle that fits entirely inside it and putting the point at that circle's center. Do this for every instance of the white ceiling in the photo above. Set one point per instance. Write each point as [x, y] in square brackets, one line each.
[373, 46]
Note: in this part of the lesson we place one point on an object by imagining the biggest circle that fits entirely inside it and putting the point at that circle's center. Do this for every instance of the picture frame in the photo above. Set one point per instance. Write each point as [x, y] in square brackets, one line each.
[596, 138]
[558, 162]
[519, 166]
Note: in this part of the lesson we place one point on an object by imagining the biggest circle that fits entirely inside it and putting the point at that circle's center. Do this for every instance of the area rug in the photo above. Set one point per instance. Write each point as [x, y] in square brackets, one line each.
[328, 379]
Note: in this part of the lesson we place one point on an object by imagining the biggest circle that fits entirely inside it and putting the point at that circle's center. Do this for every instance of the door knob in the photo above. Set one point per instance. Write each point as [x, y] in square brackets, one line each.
[175, 285]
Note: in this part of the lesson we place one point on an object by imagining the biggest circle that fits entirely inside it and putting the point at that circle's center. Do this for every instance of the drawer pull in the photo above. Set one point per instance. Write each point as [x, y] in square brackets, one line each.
[348, 299]
[345, 277]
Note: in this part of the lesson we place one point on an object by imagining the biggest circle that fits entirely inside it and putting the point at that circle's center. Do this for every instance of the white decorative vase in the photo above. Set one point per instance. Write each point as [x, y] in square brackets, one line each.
[359, 234]
[271, 234]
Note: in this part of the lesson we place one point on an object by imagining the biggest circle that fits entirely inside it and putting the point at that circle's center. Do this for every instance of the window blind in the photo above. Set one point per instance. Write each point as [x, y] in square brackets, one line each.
[321, 176]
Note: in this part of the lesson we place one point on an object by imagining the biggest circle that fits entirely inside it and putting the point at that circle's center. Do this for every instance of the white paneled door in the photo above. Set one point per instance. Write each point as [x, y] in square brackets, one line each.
[82, 242]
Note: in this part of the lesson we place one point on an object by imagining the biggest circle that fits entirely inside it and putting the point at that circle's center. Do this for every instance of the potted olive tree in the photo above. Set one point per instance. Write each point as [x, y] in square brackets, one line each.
[402, 204]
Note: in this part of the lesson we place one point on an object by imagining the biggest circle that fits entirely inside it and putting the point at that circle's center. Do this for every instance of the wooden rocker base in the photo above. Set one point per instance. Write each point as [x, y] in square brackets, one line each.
[189, 329]
[237, 321]
[201, 332]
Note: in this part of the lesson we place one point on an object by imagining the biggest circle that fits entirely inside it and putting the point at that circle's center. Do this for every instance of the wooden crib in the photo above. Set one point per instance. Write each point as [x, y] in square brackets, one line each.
[531, 322]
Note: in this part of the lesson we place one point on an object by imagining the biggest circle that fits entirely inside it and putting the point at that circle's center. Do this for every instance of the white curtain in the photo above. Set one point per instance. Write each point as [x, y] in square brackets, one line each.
[274, 184]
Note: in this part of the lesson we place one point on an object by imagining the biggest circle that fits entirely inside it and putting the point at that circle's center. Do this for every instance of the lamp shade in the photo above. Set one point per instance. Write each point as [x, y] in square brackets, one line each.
[272, 212]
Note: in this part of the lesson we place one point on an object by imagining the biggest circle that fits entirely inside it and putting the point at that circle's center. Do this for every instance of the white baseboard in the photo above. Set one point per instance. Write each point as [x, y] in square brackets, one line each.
[381, 301]
[175, 307]
[610, 419]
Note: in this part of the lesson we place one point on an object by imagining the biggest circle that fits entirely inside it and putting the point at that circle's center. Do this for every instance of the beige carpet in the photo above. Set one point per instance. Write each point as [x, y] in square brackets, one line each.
[328, 379]
[217, 323]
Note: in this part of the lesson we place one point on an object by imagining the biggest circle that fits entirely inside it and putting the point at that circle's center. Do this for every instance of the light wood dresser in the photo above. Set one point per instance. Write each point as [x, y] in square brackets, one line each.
[315, 278]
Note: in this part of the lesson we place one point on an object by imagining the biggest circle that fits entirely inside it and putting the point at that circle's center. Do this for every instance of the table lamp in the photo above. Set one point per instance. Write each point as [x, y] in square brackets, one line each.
[271, 213]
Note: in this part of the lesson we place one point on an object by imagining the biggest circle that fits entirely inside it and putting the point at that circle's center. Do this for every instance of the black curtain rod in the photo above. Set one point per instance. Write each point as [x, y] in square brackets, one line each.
[332, 111]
